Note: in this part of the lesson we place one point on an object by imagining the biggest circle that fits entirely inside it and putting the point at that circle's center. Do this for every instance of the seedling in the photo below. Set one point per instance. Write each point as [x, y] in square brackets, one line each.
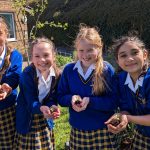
[78, 100]
[116, 120]
[52, 109]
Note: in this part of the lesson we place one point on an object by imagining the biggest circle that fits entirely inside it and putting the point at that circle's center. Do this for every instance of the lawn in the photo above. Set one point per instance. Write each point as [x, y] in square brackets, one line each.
[62, 130]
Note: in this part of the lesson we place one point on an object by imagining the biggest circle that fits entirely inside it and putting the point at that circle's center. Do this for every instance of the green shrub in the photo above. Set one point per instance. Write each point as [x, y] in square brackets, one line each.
[110, 58]
[63, 60]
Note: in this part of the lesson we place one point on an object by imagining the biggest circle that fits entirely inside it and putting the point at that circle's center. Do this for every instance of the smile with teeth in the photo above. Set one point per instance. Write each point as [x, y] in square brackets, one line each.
[130, 65]
[42, 65]
[86, 59]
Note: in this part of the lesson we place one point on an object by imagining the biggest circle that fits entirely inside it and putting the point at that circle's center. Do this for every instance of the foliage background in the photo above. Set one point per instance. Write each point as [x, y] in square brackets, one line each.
[113, 17]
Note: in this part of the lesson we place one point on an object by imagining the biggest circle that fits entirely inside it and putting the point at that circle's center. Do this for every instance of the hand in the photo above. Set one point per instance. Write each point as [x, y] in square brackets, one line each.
[76, 99]
[46, 111]
[120, 127]
[55, 111]
[5, 90]
[76, 106]
[84, 103]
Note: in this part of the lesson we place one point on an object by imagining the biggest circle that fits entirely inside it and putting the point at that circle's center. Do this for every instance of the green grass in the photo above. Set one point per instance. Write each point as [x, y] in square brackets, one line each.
[62, 129]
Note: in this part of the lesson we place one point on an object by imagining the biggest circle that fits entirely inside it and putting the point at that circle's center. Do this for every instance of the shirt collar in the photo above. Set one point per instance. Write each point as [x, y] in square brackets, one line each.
[80, 70]
[78, 66]
[51, 73]
[138, 83]
[3, 53]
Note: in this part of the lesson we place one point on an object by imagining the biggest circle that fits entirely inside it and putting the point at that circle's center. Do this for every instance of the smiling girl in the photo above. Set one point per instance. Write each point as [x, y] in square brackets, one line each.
[134, 89]
[37, 99]
[10, 70]
[85, 88]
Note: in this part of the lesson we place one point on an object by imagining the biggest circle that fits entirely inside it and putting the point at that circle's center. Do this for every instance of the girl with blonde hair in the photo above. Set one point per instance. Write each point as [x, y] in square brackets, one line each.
[85, 87]
[10, 69]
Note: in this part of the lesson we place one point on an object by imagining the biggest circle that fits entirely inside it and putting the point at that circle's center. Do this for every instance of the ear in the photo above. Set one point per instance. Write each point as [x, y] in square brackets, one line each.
[145, 54]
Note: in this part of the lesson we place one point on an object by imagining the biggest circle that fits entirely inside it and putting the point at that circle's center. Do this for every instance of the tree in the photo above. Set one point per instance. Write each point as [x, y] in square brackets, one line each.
[22, 7]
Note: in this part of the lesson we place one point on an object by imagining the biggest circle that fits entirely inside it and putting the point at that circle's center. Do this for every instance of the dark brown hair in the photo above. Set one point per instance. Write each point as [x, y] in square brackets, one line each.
[52, 48]
[121, 41]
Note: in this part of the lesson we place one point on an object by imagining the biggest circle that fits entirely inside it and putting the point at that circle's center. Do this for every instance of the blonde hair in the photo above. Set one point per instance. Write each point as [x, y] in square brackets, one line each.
[91, 34]
[52, 48]
[5, 27]
[4, 24]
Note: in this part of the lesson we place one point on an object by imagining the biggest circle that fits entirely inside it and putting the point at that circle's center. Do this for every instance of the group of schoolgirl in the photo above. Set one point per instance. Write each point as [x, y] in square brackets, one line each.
[88, 86]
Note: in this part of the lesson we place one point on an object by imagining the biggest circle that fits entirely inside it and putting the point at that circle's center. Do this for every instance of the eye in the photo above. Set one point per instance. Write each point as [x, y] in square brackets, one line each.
[135, 53]
[46, 55]
[80, 50]
[123, 56]
[36, 56]
[90, 50]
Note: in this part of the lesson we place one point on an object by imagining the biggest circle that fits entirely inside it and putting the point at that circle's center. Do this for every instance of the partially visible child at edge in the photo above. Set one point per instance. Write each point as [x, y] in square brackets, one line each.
[37, 95]
[88, 79]
[134, 89]
[10, 69]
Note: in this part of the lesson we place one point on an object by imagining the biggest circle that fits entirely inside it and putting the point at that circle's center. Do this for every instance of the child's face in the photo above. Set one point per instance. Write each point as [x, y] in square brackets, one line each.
[87, 53]
[3, 34]
[42, 56]
[131, 58]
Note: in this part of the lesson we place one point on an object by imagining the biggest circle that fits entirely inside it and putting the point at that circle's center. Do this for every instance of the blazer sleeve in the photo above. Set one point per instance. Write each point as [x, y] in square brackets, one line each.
[12, 74]
[147, 92]
[64, 96]
[29, 94]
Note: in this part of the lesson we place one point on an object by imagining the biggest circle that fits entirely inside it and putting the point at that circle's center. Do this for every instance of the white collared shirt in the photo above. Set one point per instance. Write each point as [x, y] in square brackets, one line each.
[2, 56]
[138, 83]
[44, 85]
[80, 70]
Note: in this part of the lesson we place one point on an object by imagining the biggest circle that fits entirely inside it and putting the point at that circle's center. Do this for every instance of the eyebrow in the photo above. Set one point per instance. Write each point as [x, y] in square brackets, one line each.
[121, 53]
[133, 49]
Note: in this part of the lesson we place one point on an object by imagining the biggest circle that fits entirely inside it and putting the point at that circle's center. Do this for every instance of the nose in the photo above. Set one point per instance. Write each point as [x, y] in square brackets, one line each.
[86, 54]
[42, 59]
[1, 31]
[130, 58]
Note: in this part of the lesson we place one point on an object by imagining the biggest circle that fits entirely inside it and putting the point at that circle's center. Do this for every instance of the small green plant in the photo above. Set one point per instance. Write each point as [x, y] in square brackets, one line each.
[63, 60]
[125, 137]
